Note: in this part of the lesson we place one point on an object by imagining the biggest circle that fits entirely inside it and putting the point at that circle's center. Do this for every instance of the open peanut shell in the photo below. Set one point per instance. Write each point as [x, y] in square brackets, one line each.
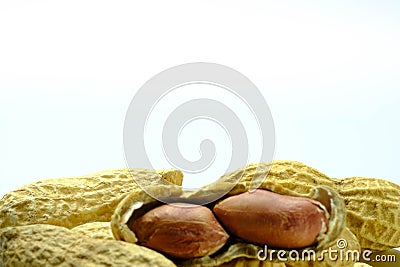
[139, 202]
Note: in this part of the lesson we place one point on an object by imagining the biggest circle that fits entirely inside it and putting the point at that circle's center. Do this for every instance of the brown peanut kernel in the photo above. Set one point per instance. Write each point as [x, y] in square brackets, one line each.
[180, 230]
[267, 218]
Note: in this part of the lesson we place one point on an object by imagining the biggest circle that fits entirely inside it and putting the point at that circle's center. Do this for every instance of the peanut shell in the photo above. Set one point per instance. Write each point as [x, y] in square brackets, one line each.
[48, 245]
[70, 202]
[98, 230]
[373, 211]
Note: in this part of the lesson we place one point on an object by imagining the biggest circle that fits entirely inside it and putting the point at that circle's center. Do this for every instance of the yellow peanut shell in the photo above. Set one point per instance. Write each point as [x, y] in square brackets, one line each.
[98, 230]
[373, 211]
[70, 202]
[48, 245]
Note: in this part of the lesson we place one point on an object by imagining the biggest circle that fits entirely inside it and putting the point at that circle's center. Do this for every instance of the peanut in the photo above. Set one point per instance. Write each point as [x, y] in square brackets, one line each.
[373, 205]
[70, 202]
[373, 211]
[48, 245]
[180, 230]
[138, 203]
[97, 230]
[266, 218]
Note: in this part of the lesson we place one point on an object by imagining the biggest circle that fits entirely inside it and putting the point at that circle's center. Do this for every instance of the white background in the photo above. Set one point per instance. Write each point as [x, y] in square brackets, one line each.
[69, 69]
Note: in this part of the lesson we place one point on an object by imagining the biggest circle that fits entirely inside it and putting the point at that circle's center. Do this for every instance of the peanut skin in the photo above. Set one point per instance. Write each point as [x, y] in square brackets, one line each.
[268, 218]
[180, 230]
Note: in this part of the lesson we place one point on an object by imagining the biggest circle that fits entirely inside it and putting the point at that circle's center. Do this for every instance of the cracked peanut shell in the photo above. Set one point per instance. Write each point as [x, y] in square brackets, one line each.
[138, 202]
